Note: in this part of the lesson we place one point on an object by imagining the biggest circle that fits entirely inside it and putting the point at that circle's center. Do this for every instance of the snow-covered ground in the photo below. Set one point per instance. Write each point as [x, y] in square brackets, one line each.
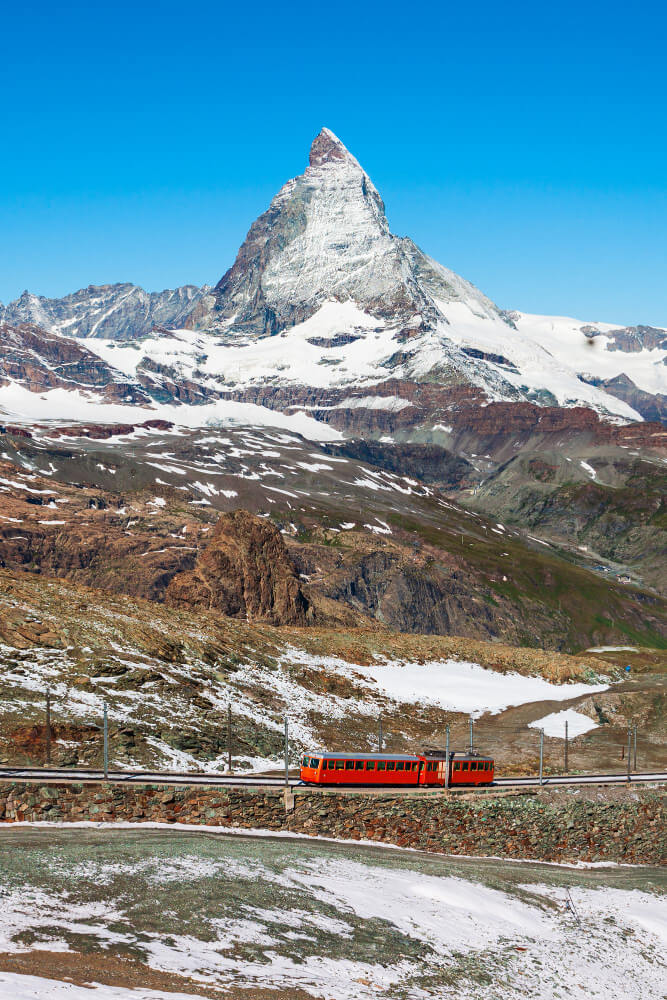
[454, 685]
[264, 695]
[331, 920]
[554, 724]
[14, 986]
[18, 403]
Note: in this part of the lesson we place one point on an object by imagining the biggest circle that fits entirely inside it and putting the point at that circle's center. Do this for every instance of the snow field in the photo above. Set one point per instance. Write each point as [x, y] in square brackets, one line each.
[453, 685]
[302, 924]
[554, 724]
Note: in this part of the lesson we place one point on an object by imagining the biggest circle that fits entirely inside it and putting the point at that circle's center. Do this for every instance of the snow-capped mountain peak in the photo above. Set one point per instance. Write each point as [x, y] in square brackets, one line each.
[322, 296]
[327, 148]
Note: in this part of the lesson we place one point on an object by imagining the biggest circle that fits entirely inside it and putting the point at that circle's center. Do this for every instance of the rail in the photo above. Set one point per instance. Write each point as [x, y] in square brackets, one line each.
[269, 781]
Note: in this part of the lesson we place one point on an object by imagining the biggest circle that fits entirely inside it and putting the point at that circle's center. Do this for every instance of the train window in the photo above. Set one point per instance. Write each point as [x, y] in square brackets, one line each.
[399, 765]
[413, 766]
[330, 764]
[314, 761]
[382, 765]
[304, 762]
[358, 765]
[473, 766]
[391, 765]
[340, 764]
[349, 765]
[457, 767]
[464, 766]
[370, 765]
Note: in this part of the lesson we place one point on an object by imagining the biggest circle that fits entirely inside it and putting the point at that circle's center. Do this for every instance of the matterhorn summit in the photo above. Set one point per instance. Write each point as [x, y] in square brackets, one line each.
[325, 237]
[324, 302]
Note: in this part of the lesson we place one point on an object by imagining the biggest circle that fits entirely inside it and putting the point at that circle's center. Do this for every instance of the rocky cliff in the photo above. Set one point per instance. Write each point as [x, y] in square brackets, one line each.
[245, 571]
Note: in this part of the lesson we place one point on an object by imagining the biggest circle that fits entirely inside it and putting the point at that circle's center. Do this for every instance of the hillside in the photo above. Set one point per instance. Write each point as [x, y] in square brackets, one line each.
[128, 509]
[168, 676]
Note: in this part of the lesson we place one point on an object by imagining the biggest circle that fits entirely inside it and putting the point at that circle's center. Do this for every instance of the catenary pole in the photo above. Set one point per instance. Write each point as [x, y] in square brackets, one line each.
[47, 734]
[447, 765]
[634, 755]
[286, 754]
[541, 754]
[229, 738]
[106, 743]
[471, 739]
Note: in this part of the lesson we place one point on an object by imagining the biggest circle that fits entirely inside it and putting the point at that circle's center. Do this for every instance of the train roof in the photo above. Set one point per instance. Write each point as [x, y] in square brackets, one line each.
[360, 755]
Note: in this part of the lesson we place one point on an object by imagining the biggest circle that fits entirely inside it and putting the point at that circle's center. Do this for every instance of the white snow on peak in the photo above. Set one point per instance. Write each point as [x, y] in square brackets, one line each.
[322, 265]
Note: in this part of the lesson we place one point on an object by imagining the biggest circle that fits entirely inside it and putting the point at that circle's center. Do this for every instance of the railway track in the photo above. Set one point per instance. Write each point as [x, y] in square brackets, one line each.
[276, 781]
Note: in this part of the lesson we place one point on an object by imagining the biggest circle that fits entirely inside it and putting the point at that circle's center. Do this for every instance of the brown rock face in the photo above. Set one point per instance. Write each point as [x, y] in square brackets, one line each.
[245, 572]
[41, 360]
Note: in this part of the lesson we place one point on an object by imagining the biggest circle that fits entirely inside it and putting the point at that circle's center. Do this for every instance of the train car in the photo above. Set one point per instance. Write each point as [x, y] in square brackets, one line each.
[324, 768]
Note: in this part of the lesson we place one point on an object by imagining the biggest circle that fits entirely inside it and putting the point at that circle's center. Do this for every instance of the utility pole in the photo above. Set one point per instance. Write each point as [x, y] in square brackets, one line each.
[541, 755]
[472, 747]
[634, 761]
[229, 738]
[106, 743]
[566, 747]
[286, 754]
[447, 757]
[629, 751]
[47, 734]
[380, 735]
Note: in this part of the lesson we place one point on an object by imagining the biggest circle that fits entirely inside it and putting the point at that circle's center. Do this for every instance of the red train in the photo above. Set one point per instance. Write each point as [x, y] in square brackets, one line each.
[396, 769]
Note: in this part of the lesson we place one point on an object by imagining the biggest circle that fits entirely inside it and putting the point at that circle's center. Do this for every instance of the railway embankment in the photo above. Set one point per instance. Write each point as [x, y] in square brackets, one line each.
[562, 825]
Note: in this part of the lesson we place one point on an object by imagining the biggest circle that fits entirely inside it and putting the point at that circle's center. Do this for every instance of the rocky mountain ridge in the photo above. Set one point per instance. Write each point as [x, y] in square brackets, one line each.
[122, 311]
[322, 295]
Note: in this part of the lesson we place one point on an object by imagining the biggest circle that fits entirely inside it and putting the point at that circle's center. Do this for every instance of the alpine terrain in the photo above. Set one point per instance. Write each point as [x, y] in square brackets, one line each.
[340, 460]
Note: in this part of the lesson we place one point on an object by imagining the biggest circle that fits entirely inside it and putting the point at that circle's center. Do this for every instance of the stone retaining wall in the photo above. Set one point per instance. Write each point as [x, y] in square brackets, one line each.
[552, 826]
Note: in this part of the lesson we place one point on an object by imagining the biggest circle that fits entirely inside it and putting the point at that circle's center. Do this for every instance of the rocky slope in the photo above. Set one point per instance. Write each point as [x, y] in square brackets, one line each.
[136, 511]
[610, 505]
[36, 360]
[168, 675]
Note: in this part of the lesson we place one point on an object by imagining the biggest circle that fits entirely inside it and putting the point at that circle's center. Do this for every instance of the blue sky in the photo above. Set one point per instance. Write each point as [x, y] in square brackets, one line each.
[522, 145]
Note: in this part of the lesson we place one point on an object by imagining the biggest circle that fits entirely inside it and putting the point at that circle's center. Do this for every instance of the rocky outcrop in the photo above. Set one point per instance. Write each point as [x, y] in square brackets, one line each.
[102, 432]
[652, 406]
[633, 339]
[245, 571]
[39, 360]
[427, 462]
